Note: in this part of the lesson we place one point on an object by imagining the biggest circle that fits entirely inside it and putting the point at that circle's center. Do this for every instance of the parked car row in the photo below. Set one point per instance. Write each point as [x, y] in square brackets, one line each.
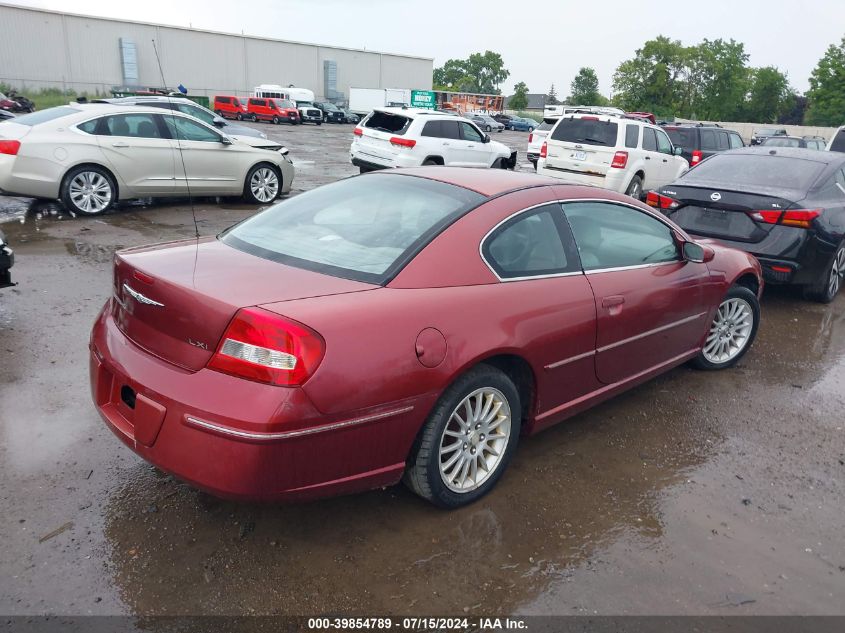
[280, 110]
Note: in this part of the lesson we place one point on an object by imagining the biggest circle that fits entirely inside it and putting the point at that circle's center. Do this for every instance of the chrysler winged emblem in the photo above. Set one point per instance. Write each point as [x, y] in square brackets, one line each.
[139, 297]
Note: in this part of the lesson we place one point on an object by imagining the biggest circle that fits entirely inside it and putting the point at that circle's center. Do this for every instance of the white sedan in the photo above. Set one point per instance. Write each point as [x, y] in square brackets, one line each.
[92, 155]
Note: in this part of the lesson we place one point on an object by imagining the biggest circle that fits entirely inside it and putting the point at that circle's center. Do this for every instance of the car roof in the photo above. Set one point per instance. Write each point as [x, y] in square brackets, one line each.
[826, 158]
[487, 182]
[410, 112]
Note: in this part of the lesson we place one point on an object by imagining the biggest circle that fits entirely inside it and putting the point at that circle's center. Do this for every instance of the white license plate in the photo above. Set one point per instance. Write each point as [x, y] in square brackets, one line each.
[579, 155]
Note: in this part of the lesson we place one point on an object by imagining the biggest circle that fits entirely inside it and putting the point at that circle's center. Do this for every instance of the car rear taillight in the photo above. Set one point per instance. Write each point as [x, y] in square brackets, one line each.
[658, 201]
[696, 157]
[9, 147]
[530, 137]
[620, 159]
[358, 131]
[265, 347]
[402, 142]
[544, 151]
[799, 218]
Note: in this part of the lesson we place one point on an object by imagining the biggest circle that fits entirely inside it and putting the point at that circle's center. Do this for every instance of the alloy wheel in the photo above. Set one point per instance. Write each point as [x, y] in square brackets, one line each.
[837, 272]
[264, 184]
[730, 331]
[90, 192]
[474, 440]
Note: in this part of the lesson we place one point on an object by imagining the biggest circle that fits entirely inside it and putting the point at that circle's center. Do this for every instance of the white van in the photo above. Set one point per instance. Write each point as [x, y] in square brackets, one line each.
[302, 97]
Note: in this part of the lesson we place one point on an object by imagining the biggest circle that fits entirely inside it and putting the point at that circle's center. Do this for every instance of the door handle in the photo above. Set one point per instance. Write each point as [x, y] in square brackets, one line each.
[648, 157]
[665, 160]
[120, 144]
[445, 144]
[612, 301]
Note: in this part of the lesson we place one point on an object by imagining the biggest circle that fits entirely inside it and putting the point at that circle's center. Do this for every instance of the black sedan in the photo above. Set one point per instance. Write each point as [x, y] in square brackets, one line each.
[785, 206]
[7, 259]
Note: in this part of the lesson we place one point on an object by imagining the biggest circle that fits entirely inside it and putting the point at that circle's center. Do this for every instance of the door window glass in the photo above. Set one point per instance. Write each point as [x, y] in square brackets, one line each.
[736, 141]
[612, 236]
[140, 125]
[708, 140]
[632, 135]
[201, 113]
[470, 133]
[187, 130]
[649, 140]
[664, 145]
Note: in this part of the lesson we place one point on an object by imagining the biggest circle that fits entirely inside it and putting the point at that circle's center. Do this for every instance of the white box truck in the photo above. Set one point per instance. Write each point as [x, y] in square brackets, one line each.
[363, 100]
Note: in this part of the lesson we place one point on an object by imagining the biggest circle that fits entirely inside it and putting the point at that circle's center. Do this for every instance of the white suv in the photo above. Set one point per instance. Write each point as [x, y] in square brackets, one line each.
[405, 137]
[538, 137]
[622, 154]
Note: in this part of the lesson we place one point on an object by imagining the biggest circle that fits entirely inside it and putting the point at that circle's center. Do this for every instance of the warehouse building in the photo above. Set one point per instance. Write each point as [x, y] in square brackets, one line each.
[51, 49]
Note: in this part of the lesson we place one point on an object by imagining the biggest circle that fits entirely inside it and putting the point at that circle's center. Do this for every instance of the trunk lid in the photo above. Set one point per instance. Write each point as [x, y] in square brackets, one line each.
[175, 300]
[9, 130]
[582, 145]
[723, 214]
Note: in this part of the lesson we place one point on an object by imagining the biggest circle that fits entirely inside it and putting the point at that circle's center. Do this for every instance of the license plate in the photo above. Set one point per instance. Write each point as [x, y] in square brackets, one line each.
[715, 217]
[579, 155]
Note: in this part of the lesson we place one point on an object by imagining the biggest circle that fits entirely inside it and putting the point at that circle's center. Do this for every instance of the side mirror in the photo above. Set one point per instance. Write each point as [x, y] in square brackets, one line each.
[225, 140]
[219, 121]
[486, 138]
[678, 151]
[697, 253]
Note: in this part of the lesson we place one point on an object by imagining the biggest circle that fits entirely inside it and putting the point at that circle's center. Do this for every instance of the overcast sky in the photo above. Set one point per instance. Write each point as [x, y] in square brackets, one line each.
[541, 42]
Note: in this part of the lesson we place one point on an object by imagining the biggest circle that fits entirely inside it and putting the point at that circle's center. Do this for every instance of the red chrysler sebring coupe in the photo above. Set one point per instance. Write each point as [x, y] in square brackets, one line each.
[404, 325]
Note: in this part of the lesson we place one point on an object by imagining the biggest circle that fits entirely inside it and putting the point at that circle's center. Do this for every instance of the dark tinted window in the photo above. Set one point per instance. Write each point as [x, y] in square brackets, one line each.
[132, 125]
[735, 140]
[722, 140]
[450, 129]
[586, 132]
[360, 228]
[547, 124]
[683, 137]
[223, 100]
[611, 236]
[431, 128]
[708, 140]
[632, 135]
[387, 122]
[43, 116]
[760, 170]
[838, 144]
[649, 140]
[89, 127]
[529, 245]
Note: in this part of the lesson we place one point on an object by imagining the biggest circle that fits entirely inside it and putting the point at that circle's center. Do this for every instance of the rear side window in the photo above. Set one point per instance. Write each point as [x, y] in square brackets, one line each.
[722, 140]
[387, 122]
[708, 140]
[223, 100]
[755, 170]
[363, 228]
[432, 128]
[43, 116]
[528, 246]
[736, 140]
[450, 129]
[838, 144]
[632, 135]
[547, 124]
[132, 125]
[586, 132]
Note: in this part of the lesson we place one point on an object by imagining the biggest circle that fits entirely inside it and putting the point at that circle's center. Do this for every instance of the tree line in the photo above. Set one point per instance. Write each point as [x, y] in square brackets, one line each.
[710, 80]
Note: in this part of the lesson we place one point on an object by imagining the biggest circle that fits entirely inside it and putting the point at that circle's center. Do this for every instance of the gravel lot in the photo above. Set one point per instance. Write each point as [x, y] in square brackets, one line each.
[697, 493]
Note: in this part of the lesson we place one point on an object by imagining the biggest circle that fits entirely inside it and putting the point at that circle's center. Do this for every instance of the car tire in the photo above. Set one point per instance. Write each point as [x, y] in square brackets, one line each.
[319, 122]
[732, 330]
[88, 190]
[530, 129]
[635, 188]
[487, 128]
[465, 413]
[259, 187]
[219, 113]
[239, 116]
[831, 279]
[275, 120]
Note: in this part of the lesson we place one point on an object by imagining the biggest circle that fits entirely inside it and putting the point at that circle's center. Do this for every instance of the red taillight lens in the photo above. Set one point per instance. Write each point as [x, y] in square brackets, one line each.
[9, 147]
[696, 157]
[620, 159]
[358, 131]
[530, 137]
[799, 218]
[402, 142]
[544, 151]
[265, 347]
[654, 199]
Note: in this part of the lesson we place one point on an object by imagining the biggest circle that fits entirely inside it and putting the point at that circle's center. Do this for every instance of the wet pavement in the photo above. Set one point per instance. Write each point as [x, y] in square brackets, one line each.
[697, 493]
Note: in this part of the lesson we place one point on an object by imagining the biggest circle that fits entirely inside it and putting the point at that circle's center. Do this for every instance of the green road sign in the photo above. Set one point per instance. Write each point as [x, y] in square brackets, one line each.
[422, 99]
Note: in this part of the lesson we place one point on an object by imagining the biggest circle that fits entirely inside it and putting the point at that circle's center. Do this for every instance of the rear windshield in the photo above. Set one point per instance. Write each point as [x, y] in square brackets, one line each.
[682, 137]
[43, 116]
[775, 141]
[386, 122]
[547, 124]
[750, 171]
[586, 131]
[838, 144]
[363, 228]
